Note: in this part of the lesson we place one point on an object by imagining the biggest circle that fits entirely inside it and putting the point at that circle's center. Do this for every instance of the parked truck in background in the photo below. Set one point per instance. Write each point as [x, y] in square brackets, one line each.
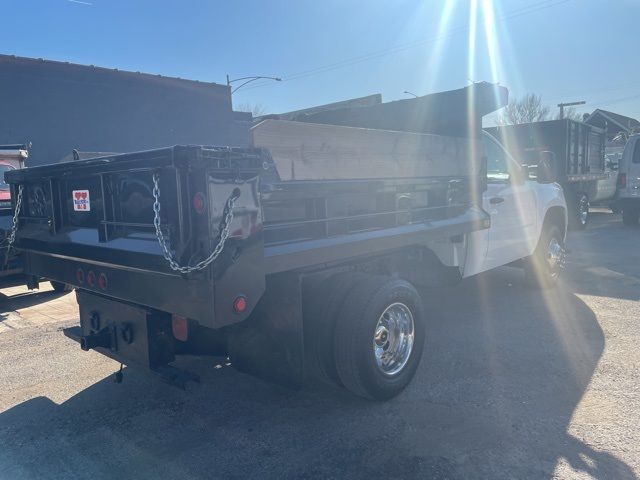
[628, 194]
[580, 159]
[11, 157]
[301, 256]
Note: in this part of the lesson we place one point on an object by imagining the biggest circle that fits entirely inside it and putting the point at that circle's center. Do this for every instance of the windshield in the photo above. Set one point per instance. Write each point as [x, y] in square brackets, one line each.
[4, 168]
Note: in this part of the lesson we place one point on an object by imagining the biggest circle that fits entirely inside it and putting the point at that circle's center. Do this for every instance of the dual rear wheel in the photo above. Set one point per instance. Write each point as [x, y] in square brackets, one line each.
[368, 333]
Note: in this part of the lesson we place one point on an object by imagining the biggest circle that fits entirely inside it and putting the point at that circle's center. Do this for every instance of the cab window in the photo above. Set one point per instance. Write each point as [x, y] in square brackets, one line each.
[498, 163]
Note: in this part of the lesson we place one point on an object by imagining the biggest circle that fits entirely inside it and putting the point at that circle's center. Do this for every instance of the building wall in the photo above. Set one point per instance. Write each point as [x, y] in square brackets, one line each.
[59, 107]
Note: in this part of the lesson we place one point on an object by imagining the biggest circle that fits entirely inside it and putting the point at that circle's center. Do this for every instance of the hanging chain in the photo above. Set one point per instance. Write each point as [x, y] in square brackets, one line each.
[14, 223]
[224, 231]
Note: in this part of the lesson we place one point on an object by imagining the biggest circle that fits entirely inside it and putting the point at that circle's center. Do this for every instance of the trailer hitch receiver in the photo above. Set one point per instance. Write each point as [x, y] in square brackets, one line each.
[102, 338]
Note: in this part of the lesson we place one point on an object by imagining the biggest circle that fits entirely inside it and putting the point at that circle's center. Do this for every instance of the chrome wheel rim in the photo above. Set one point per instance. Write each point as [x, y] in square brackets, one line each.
[555, 256]
[584, 209]
[393, 338]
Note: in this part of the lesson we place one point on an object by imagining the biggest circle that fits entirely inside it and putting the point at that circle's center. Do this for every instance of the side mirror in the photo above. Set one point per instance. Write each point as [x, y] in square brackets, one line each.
[546, 167]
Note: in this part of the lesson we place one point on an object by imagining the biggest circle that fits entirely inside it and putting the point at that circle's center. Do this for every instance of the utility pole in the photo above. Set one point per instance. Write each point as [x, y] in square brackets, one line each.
[569, 104]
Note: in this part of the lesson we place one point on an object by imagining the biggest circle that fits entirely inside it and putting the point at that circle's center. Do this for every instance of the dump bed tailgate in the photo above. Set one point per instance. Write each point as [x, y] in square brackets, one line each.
[92, 224]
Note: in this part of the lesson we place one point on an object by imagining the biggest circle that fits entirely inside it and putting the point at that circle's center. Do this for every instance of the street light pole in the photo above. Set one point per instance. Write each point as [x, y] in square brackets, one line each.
[249, 80]
[410, 93]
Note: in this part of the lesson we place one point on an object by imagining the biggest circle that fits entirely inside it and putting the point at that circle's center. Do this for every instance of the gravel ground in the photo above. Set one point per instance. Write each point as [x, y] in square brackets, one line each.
[514, 383]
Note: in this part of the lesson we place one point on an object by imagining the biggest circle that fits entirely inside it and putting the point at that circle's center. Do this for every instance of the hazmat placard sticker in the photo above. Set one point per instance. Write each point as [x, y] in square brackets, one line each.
[81, 201]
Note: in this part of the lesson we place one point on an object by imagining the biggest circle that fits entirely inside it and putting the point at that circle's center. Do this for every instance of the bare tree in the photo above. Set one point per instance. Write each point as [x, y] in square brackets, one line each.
[527, 109]
[571, 114]
[256, 109]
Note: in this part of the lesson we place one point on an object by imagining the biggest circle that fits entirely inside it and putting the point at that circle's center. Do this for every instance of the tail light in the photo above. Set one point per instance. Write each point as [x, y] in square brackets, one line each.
[622, 180]
[240, 304]
[180, 327]
[91, 278]
[102, 281]
[80, 276]
[199, 203]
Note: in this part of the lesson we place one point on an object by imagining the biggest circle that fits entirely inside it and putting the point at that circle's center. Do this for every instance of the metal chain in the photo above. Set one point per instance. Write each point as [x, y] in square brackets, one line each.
[224, 232]
[14, 223]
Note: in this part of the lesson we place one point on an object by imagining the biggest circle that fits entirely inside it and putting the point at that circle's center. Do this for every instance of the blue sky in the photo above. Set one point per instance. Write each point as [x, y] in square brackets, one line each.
[329, 50]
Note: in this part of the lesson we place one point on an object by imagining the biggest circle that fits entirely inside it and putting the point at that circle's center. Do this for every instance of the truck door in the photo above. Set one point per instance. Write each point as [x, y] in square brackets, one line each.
[511, 201]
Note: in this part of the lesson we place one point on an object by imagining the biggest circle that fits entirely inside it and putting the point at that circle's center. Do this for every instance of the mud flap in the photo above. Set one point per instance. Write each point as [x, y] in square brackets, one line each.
[269, 344]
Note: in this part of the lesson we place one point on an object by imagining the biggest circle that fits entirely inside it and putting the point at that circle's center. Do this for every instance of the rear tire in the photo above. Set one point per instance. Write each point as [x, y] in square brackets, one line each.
[379, 337]
[60, 287]
[326, 300]
[545, 265]
[630, 216]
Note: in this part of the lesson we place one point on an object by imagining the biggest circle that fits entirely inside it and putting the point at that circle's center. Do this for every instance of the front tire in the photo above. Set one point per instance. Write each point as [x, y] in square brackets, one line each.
[581, 214]
[545, 265]
[630, 216]
[379, 337]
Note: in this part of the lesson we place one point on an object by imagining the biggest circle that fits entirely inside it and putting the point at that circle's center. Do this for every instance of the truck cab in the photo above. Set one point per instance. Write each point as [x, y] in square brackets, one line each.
[628, 195]
[525, 209]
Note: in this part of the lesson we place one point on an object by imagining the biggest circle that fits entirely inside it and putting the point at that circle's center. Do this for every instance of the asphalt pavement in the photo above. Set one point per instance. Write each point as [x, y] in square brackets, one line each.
[514, 383]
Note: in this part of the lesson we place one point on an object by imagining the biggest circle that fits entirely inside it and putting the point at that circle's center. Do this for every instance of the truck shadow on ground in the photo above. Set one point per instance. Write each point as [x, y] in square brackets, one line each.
[503, 371]
[590, 249]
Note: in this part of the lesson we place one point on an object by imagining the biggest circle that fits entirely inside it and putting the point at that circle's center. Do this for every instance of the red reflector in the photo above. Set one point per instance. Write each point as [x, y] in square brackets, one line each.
[622, 180]
[80, 276]
[91, 278]
[180, 327]
[198, 202]
[102, 281]
[240, 304]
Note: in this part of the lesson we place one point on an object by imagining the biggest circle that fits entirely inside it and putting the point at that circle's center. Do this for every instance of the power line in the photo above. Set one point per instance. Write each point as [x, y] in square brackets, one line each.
[542, 5]
[583, 93]
[402, 47]
[611, 102]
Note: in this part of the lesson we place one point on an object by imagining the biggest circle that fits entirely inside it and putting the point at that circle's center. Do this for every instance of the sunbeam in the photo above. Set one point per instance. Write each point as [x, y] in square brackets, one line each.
[432, 71]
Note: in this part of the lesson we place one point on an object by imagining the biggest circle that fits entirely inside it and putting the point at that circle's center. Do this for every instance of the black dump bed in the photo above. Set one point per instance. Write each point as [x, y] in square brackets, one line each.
[308, 195]
[577, 146]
